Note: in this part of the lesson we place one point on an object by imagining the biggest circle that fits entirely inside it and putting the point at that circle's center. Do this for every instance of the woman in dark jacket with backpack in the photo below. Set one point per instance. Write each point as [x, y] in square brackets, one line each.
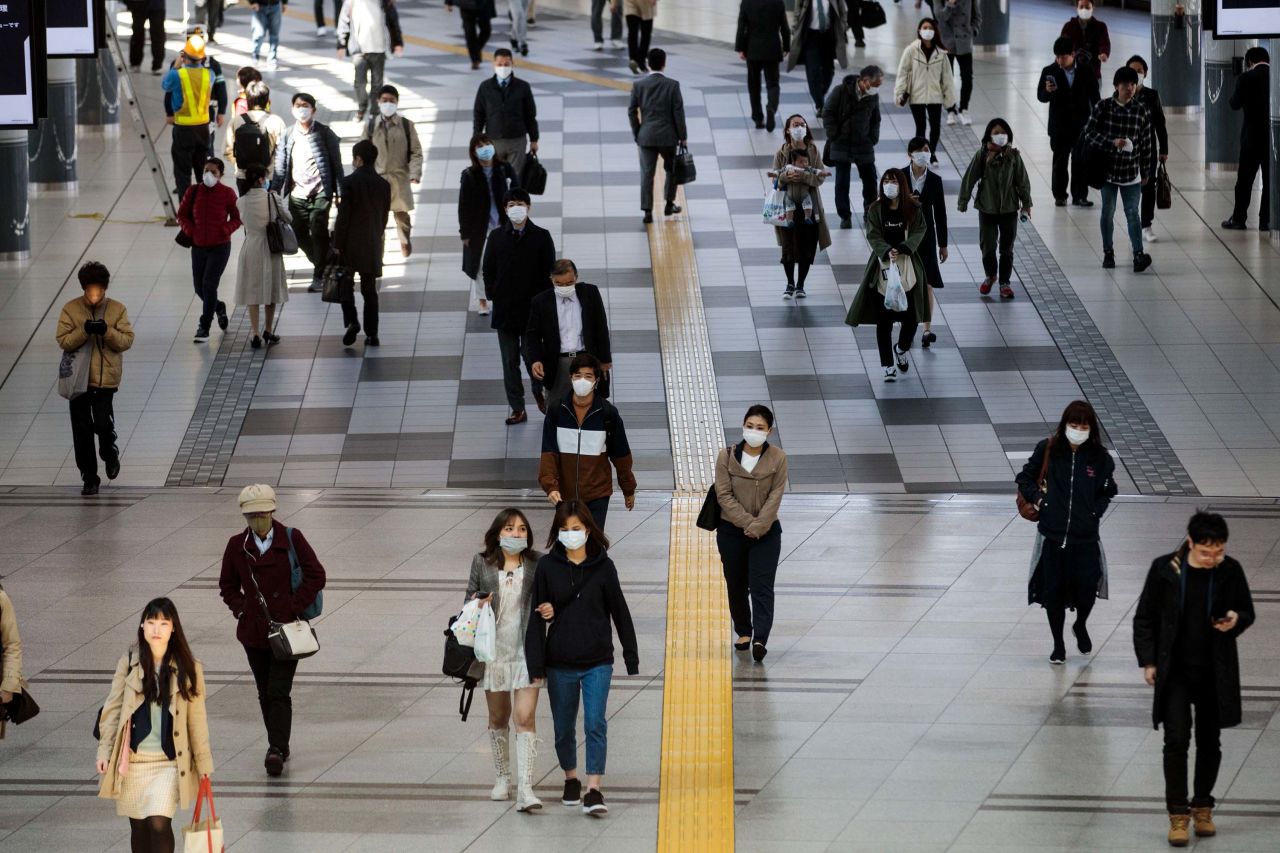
[480, 205]
[1072, 490]
[258, 561]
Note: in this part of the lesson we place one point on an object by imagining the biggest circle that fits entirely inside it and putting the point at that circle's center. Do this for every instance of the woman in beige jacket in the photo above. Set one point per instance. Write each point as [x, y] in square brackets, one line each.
[154, 746]
[925, 82]
[11, 680]
[808, 234]
[750, 479]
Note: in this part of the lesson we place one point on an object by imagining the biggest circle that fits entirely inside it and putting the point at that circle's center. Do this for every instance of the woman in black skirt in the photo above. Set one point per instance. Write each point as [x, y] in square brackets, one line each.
[926, 189]
[1068, 570]
[480, 206]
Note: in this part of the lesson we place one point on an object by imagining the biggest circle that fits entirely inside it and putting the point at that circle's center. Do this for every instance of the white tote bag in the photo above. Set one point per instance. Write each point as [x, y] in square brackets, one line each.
[203, 836]
[73, 372]
[487, 636]
[895, 297]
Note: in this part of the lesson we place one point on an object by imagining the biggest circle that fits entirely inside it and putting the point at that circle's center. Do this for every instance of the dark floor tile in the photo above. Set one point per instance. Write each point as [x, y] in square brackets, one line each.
[386, 369]
[327, 420]
[1013, 358]
[269, 422]
[482, 392]
[424, 445]
[845, 386]
[725, 297]
[933, 410]
[644, 415]
[634, 340]
[435, 367]
[763, 162]
[796, 316]
[715, 240]
[737, 362]
[791, 387]
[696, 191]
[870, 468]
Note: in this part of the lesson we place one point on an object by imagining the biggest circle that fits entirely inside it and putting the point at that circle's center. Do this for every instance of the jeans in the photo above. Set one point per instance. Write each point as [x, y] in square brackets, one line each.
[563, 688]
[934, 113]
[93, 415]
[275, 682]
[997, 231]
[1183, 690]
[207, 266]
[1253, 159]
[818, 58]
[265, 24]
[519, 11]
[368, 290]
[141, 20]
[311, 224]
[475, 30]
[966, 77]
[1130, 197]
[597, 21]
[368, 80]
[510, 344]
[337, 10]
[750, 566]
[639, 33]
[190, 148]
[866, 174]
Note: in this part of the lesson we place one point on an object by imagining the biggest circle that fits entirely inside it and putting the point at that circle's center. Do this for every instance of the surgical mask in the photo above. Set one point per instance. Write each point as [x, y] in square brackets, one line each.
[565, 291]
[572, 540]
[583, 387]
[798, 131]
[210, 179]
[1085, 14]
[503, 71]
[920, 158]
[512, 544]
[302, 113]
[890, 190]
[485, 152]
[517, 213]
[387, 108]
[260, 525]
[1077, 436]
[1000, 139]
[873, 90]
[926, 35]
[754, 437]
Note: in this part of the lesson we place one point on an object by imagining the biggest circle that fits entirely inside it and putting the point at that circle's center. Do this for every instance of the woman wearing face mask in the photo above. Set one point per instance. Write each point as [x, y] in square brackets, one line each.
[154, 748]
[750, 479]
[209, 215]
[800, 243]
[1003, 186]
[576, 586]
[502, 578]
[1088, 34]
[257, 566]
[480, 206]
[895, 230]
[257, 112]
[260, 275]
[1068, 568]
[926, 189]
[1150, 99]
[924, 81]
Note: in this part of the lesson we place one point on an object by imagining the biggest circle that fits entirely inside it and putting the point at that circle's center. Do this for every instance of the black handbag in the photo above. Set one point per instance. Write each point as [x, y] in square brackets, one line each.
[709, 517]
[183, 240]
[872, 14]
[533, 175]
[684, 170]
[460, 664]
[19, 709]
[1164, 188]
[1094, 162]
[281, 239]
[339, 282]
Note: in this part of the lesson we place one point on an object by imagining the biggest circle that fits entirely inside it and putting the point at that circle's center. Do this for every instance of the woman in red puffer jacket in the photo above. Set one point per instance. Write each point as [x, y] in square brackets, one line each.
[208, 216]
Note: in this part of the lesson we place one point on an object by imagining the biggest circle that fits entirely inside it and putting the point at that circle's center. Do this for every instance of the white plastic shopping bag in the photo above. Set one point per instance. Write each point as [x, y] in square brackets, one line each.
[464, 629]
[778, 207]
[487, 636]
[895, 297]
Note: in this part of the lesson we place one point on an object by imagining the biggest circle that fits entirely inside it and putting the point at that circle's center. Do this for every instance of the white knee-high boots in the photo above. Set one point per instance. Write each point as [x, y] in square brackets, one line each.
[501, 765]
[526, 750]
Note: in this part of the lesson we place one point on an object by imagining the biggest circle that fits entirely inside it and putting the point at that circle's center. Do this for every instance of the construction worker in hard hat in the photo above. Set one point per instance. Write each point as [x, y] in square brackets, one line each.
[196, 96]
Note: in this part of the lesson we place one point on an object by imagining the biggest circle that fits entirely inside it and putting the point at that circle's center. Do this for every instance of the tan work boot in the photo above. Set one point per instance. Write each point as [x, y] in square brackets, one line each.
[1203, 818]
[1179, 825]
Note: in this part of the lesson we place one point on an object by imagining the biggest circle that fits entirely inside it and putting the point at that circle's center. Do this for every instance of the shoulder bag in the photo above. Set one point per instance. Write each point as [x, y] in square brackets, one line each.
[19, 709]
[288, 640]
[73, 371]
[709, 517]
[281, 240]
[1026, 509]
[872, 14]
[295, 580]
[460, 664]
[338, 281]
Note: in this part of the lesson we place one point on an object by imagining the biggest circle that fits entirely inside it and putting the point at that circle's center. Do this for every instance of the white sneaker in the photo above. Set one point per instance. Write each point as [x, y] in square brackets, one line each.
[951, 118]
[272, 64]
[321, 32]
[891, 374]
[617, 44]
[1149, 235]
[598, 46]
[964, 118]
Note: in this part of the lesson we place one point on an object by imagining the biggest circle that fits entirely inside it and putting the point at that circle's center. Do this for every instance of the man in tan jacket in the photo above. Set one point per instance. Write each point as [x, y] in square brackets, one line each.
[102, 324]
[399, 158]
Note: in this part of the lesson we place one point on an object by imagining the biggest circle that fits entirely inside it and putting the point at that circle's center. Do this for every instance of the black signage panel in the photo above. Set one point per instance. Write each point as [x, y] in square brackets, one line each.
[22, 63]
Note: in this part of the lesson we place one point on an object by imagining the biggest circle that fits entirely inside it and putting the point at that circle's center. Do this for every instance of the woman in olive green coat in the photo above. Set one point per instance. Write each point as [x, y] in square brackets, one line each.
[895, 230]
[998, 173]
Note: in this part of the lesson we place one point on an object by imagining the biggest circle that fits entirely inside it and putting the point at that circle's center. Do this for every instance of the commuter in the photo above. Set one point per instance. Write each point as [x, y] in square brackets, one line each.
[366, 28]
[657, 120]
[764, 37]
[818, 40]
[502, 578]
[855, 24]
[506, 112]
[1068, 569]
[1089, 35]
[517, 262]
[253, 139]
[639, 16]
[1194, 605]
[256, 584]
[482, 207]
[797, 168]
[851, 119]
[1070, 97]
[322, 29]
[749, 535]
[895, 230]
[260, 276]
[564, 321]
[359, 235]
[188, 89]
[1252, 95]
[475, 25]
[146, 13]
[265, 26]
[928, 192]
[582, 434]
[576, 585]
[924, 81]
[245, 75]
[154, 751]
[1003, 187]
[399, 159]
[102, 325]
[958, 22]
[1122, 124]
[196, 42]
[309, 168]
[209, 216]
[213, 16]
[615, 24]
[1150, 99]
[518, 13]
[11, 680]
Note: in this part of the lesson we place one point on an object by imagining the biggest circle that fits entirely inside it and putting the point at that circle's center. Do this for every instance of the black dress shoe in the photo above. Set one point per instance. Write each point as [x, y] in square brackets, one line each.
[758, 651]
[89, 489]
[648, 217]
[255, 342]
[770, 123]
[350, 337]
[222, 316]
[671, 210]
[927, 338]
[1059, 202]
[1083, 641]
[274, 762]
[759, 123]
[1141, 261]
[1234, 225]
[1108, 260]
[744, 645]
[113, 468]
[541, 399]
[271, 337]
[1082, 202]
[372, 341]
[846, 223]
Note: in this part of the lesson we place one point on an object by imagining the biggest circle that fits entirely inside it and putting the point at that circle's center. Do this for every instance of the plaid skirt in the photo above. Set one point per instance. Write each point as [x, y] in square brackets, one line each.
[150, 788]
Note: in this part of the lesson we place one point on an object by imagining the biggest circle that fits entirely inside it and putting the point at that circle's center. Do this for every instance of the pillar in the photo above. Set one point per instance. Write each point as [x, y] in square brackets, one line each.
[15, 215]
[98, 93]
[993, 35]
[1275, 140]
[1175, 55]
[1221, 123]
[52, 144]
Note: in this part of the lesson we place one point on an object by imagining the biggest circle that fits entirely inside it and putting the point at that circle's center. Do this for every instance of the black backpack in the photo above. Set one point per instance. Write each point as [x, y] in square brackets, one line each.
[461, 665]
[252, 145]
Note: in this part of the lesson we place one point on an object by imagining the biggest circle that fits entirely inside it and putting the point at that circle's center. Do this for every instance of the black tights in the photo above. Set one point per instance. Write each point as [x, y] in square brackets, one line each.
[152, 834]
[790, 268]
[1058, 619]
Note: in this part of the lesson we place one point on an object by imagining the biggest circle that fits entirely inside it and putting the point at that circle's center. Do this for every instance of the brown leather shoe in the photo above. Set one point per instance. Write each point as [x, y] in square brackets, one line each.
[517, 418]
[541, 400]
[1179, 824]
[406, 249]
[1202, 817]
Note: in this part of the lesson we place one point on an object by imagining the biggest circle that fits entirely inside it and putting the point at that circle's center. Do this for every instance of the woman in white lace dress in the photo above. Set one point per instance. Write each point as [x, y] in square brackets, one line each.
[502, 575]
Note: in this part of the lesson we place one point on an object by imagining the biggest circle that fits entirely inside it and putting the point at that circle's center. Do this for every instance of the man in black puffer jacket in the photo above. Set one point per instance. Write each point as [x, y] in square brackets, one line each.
[851, 118]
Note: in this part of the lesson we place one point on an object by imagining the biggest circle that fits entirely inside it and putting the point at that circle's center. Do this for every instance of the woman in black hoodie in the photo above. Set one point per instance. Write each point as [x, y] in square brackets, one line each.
[1072, 492]
[569, 643]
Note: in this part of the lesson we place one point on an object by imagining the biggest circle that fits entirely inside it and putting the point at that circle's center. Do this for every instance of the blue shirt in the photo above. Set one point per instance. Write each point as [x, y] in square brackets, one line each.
[1071, 76]
[493, 202]
[172, 85]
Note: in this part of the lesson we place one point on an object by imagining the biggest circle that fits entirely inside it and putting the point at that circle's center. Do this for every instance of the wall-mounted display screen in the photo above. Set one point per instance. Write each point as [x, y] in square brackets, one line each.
[22, 63]
[73, 27]
[1236, 19]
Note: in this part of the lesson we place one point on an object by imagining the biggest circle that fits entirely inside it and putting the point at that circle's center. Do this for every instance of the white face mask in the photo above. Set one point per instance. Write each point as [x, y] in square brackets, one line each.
[890, 190]
[503, 71]
[1000, 139]
[1077, 436]
[565, 291]
[387, 108]
[583, 387]
[517, 213]
[512, 544]
[1085, 14]
[873, 90]
[302, 113]
[926, 35]
[798, 131]
[210, 179]
[920, 158]
[754, 437]
[572, 540]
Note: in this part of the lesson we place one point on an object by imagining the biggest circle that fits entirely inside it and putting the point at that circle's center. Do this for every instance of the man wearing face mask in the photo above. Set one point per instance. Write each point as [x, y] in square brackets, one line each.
[851, 118]
[568, 319]
[1090, 35]
[399, 158]
[764, 37]
[359, 235]
[517, 263]
[309, 168]
[506, 112]
[101, 324]
[1070, 96]
[582, 435]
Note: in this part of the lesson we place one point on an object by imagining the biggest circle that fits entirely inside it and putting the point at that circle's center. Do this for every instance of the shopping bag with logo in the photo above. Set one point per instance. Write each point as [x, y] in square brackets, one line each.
[895, 297]
[778, 207]
[487, 636]
[73, 372]
[203, 836]
[467, 622]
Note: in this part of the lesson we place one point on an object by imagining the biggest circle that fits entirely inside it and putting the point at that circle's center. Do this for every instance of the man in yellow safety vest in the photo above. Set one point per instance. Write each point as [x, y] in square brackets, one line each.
[189, 88]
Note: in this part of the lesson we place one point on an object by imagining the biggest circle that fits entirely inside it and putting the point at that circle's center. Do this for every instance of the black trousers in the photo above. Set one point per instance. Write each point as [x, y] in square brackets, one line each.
[369, 291]
[319, 10]
[213, 15]
[997, 231]
[275, 682]
[1184, 690]
[866, 174]
[599, 509]
[934, 113]
[141, 19]
[855, 21]
[649, 155]
[92, 415]
[475, 29]
[769, 70]
[190, 148]
[207, 265]
[1252, 160]
[639, 34]
[885, 319]
[819, 69]
[750, 566]
[966, 77]
[1067, 177]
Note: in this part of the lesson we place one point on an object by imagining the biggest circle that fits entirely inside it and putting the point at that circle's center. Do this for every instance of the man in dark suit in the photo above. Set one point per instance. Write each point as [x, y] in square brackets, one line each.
[1253, 94]
[518, 257]
[657, 123]
[819, 41]
[567, 320]
[358, 236]
[764, 37]
[1070, 96]
[506, 111]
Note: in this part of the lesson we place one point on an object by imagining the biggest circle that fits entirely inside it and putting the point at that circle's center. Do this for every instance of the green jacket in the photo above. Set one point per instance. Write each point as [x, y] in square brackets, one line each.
[863, 309]
[1002, 181]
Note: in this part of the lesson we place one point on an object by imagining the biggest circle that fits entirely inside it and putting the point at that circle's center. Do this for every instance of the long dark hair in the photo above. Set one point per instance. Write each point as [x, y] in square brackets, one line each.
[906, 201]
[493, 548]
[597, 542]
[178, 655]
[1079, 412]
[786, 130]
[476, 141]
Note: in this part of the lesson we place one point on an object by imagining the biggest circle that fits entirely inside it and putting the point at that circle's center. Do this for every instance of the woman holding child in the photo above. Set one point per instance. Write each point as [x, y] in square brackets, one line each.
[798, 169]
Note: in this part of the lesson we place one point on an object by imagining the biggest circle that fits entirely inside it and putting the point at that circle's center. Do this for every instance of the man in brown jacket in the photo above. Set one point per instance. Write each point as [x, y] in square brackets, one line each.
[101, 324]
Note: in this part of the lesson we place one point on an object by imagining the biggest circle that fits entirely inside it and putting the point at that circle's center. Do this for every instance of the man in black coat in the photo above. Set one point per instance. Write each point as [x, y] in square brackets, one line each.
[851, 118]
[1194, 605]
[1070, 96]
[1252, 95]
[764, 37]
[518, 258]
[562, 323]
[506, 112]
[359, 234]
